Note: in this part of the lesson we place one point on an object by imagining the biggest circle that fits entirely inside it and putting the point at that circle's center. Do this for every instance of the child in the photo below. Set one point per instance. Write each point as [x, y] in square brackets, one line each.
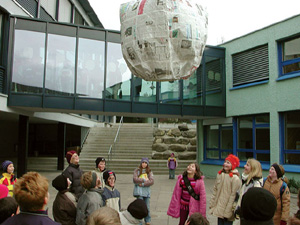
[31, 194]
[111, 196]
[273, 184]
[8, 178]
[104, 216]
[8, 207]
[226, 186]
[251, 177]
[196, 219]
[136, 211]
[143, 179]
[91, 200]
[74, 173]
[100, 168]
[64, 205]
[172, 164]
[189, 194]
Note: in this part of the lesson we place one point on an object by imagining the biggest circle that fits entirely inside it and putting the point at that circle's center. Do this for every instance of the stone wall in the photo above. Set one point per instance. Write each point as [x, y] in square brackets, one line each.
[182, 141]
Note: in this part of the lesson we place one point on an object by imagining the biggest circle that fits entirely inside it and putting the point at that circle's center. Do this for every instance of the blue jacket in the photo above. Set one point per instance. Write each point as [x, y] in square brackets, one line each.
[111, 198]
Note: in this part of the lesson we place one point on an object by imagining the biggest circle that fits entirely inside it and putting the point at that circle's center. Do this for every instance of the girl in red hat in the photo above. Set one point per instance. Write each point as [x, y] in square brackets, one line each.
[222, 202]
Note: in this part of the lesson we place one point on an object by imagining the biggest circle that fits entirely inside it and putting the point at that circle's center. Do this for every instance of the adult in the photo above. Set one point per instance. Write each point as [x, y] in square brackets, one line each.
[274, 184]
[64, 205]
[226, 186]
[31, 193]
[189, 194]
[74, 173]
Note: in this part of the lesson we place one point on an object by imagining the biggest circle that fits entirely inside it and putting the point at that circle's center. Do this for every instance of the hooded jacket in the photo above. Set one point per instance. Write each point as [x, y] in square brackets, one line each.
[9, 180]
[127, 219]
[90, 201]
[194, 205]
[224, 193]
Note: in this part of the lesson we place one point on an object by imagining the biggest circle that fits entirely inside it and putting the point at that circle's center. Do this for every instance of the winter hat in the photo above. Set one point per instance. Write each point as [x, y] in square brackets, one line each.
[3, 191]
[69, 155]
[258, 205]
[98, 160]
[5, 164]
[138, 209]
[278, 170]
[106, 175]
[235, 162]
[145, 160]
[60, 183]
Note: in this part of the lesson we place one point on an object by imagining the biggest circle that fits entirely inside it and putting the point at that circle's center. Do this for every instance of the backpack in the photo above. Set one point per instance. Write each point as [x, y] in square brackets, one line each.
[282, 189]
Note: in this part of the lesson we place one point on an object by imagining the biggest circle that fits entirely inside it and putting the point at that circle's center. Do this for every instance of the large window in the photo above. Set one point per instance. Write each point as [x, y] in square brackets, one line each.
[250, 66]
[253, 137]
[28, 64]
[290, 130]
[289, 56]
[219, 141]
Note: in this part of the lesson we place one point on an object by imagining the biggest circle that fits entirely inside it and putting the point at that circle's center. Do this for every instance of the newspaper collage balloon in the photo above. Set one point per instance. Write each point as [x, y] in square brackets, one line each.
[163, 40]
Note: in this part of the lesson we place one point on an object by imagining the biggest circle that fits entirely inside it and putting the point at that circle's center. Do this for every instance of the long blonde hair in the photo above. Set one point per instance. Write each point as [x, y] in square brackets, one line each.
[256, 170]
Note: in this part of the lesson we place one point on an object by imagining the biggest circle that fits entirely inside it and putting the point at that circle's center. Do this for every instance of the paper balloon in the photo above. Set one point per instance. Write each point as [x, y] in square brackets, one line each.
[163, 40]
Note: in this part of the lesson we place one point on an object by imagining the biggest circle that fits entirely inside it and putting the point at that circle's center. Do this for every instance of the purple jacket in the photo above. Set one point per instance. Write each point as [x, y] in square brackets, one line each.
[194, 206]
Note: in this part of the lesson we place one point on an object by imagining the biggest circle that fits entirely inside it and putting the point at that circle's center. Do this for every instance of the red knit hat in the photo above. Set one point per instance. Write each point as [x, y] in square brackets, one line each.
[235, 162]
[69, 155]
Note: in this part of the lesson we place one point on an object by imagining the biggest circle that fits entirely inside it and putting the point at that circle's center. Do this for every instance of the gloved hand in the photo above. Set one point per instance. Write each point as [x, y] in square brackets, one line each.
[282, 222]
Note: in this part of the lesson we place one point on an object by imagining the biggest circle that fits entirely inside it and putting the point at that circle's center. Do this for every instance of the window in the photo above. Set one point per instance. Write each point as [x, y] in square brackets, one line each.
[219, 141]
[250, 66]
[253, 137]
[289, 56]
[290, 133]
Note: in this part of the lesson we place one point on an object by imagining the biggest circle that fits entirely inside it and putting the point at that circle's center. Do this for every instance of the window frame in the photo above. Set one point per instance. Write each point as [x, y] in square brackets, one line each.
[282, 63]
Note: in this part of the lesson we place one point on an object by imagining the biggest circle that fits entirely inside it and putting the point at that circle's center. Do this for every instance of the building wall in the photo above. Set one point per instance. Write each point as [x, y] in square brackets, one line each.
[272, 97]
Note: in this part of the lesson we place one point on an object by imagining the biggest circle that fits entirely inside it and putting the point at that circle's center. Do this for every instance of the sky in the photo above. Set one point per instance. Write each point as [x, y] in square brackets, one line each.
[226, 19]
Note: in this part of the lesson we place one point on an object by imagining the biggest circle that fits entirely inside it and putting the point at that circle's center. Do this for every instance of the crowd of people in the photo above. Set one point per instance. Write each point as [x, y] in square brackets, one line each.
[91, 198]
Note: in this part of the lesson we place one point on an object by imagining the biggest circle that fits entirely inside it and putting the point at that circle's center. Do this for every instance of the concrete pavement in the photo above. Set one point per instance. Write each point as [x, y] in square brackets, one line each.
[161, 193]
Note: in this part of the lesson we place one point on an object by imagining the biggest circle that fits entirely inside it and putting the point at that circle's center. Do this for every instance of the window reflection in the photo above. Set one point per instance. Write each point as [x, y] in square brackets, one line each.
[60, 71]
[170, 92]
[192, 90]
[245, 138]
[90, 73]
[118, 75]
[28, 64]
[144, 91]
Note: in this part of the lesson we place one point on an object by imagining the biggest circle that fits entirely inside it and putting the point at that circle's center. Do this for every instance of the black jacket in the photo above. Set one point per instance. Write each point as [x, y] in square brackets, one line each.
[74, 173]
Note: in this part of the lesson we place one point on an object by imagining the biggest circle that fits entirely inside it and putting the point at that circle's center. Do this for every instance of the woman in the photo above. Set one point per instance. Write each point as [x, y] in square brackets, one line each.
[184, 203]
[143, 180]
[251, 177]
[273, 184]
[226, 186]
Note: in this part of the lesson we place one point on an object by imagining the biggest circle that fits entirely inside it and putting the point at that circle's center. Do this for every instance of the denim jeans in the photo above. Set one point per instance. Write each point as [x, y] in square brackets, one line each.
[171, 174]
[147, 201]
[224, 222]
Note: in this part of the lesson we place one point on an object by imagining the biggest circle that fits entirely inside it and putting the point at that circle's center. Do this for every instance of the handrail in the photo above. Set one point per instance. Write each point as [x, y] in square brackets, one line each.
[85, 137]
[112, 146]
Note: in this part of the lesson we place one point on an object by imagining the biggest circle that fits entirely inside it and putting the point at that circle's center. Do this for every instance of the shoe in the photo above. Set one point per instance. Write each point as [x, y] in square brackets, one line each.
[147, 223]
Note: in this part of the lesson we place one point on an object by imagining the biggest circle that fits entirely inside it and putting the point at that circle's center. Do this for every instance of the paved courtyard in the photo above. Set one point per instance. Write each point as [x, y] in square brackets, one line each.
[161, 193]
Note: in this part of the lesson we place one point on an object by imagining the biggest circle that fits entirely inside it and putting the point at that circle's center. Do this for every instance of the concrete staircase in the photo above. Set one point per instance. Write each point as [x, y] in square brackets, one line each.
[134, 142]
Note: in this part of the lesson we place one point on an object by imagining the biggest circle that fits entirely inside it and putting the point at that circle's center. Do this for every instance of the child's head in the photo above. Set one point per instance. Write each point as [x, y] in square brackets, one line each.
[8, 207]
[72, 157]
[196, 219]
[104, 216]
[144, 162]
[172, 155]
[253, 169]
[138, 209]
[8, 167]
[109, 178]
[31, 192]
[231, 162]
[193, 168]
[100, 163]
[90, 180]
[61, 183]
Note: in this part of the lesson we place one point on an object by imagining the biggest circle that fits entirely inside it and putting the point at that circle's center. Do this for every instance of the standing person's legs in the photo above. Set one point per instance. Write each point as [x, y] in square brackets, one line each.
[224, 222]
[147, 201]
[172, 174]
[183, 216]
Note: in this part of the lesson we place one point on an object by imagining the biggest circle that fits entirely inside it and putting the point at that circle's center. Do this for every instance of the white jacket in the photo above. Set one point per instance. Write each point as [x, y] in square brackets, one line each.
[127, 218]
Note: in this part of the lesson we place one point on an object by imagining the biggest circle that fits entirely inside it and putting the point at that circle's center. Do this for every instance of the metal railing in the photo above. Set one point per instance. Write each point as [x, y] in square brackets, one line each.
[112, 146]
